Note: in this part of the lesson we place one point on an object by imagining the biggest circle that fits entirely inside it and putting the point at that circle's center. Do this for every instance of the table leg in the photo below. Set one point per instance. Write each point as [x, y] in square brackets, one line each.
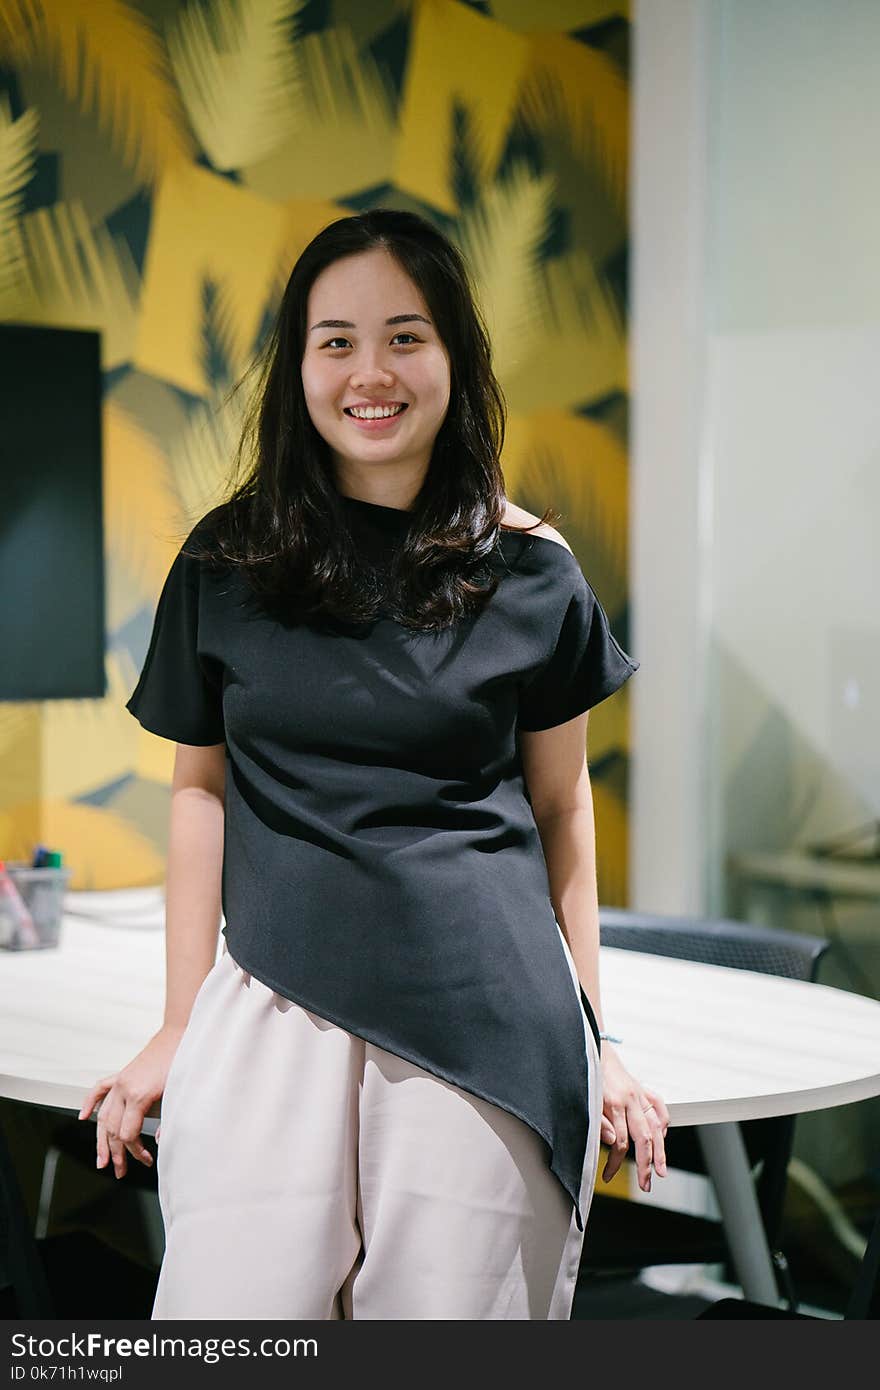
[728, 1165]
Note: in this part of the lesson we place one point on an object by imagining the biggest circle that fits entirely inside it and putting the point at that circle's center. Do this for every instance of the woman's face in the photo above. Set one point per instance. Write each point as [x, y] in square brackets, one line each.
[371, 345]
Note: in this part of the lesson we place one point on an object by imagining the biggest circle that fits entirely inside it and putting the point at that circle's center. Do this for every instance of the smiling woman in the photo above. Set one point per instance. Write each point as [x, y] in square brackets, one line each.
[396, 1029]
[379, 395]
[375, 383]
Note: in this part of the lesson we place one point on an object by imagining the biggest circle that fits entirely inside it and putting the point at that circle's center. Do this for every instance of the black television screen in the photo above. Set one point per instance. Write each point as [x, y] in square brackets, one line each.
[51, 514]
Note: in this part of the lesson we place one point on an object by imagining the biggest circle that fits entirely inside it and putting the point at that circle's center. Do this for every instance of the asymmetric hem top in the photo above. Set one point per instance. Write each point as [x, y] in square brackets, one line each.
[381, 864]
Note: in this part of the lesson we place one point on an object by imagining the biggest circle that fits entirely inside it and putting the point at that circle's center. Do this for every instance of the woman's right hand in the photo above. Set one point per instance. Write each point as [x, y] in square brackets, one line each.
[127, 1097]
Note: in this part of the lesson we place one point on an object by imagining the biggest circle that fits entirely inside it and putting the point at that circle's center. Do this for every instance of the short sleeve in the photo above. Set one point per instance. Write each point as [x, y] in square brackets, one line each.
[179, 694]
[587, 665]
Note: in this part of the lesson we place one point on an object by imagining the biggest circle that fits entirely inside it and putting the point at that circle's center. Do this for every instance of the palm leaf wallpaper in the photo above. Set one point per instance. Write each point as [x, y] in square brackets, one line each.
[162, 164]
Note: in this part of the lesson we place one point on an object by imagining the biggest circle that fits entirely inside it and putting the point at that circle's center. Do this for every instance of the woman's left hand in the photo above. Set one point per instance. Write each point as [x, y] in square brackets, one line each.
[631, 1112]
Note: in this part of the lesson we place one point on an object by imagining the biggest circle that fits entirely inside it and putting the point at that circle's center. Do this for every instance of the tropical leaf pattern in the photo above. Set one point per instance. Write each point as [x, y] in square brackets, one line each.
[17, 144]
[233, 130]
[501, 236]
[200, 456]
[73, 275]
[238, 77]
[108, 58]
[348, 105]
[577, 91]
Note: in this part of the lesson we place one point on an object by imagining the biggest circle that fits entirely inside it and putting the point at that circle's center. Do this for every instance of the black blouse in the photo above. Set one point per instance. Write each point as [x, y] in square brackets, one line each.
[382, 866]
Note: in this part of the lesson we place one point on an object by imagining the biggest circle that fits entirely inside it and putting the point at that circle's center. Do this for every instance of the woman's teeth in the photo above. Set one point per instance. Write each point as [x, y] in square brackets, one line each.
[370, 412]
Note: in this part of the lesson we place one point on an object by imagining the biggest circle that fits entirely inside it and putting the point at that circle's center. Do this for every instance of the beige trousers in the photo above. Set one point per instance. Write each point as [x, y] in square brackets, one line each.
[305, 1173]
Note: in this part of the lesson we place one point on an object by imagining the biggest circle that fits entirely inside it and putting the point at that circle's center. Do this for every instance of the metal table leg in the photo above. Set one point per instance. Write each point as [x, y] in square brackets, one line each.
[728, 1165]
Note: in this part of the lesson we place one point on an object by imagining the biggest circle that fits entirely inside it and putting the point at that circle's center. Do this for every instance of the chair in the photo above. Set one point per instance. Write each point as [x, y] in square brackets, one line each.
[625, 1237]
[863, 1303]
[70, 1275]
[75, 1140]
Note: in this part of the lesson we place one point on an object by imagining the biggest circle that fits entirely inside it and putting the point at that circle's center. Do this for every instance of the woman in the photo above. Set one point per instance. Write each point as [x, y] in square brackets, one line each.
[384, 1100]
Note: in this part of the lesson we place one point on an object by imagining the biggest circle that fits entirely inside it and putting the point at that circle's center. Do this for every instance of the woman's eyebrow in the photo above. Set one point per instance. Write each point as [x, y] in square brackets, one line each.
[346, 323]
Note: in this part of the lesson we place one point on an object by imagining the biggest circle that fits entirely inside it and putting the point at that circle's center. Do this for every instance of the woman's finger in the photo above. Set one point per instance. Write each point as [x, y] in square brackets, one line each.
[130, 1134]
[102, 1143]
[659, 1156]
[620, 1143]
[107, 1127]
[117, 1147]
[644, 1147]
[643, 1137]
[658, 1117]
[660, 1107]
[118, 1153]
[650, 1148]
[94, 1097]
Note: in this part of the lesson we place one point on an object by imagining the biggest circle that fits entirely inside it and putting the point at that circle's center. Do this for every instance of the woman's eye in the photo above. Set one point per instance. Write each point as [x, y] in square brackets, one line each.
[336, 344]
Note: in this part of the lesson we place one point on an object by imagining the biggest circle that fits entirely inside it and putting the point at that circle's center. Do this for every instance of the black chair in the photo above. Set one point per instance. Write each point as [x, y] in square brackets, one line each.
[863, 1303]
[74, 1141]
[73, 1274]
[626, 1237]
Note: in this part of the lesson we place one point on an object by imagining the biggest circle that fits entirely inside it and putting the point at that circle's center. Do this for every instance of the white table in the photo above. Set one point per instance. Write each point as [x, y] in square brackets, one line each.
[724, 1045]
[720, 1045]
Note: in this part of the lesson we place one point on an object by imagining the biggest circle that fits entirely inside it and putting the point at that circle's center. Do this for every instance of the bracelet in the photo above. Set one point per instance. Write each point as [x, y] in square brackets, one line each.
[609, 1037]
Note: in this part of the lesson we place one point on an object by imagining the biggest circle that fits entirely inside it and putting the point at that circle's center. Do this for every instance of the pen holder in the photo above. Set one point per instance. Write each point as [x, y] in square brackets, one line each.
[42, 891]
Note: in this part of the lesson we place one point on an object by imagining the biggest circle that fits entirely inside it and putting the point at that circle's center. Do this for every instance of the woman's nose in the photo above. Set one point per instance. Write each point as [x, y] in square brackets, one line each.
[371, 372]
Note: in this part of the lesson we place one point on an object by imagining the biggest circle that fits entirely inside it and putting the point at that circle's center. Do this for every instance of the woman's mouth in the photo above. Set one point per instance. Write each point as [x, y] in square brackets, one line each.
[375, 418]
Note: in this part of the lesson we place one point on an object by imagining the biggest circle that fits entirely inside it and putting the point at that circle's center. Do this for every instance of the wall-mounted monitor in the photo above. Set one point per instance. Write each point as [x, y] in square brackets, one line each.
[51, 514]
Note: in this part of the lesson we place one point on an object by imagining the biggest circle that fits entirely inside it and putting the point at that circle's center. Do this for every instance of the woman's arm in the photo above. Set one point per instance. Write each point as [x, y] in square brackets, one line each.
[193, 876]
[555, 769]
[556, 774]
[568, 837]
[192, 922]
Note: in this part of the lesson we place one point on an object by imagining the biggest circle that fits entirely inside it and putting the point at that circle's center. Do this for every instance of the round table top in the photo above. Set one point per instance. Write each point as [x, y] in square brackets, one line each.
[722, 1044]
[718, 1044]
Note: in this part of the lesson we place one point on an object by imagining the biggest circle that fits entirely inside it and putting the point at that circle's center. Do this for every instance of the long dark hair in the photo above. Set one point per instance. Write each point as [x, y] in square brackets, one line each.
[284, 526]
